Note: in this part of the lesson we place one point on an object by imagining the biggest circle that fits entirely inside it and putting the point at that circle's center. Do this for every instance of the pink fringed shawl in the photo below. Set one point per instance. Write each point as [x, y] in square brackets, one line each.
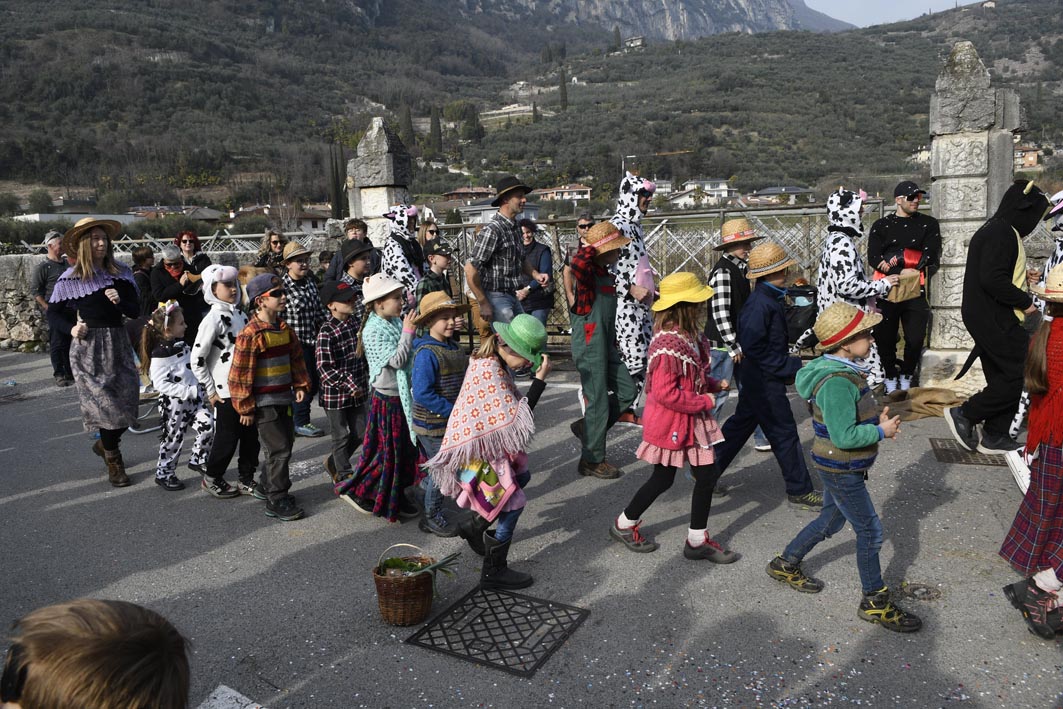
[491, 421]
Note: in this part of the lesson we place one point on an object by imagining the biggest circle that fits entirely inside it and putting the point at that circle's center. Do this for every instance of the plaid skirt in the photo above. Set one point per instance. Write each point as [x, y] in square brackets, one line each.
[106, 377]
[388, 462]
[1035, 540]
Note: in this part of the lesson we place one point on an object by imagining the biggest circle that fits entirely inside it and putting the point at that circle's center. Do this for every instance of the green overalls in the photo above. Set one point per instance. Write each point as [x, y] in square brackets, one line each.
[608, 388]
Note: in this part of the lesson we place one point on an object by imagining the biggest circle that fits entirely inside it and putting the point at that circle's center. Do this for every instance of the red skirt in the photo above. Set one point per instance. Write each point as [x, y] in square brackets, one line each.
[1035, 540]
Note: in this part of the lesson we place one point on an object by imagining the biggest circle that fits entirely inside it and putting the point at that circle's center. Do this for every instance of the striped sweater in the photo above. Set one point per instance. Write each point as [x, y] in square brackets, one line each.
[267, 367]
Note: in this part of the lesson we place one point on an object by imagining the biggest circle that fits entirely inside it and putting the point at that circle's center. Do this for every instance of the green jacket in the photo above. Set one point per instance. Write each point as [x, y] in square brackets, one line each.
[844, 416]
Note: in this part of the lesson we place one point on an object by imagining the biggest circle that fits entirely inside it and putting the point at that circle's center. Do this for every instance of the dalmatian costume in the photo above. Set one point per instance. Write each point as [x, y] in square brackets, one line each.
[182, 404]
[212, 352]
[403, 258]
[1054, 260]
[841, 273]
[634, 322]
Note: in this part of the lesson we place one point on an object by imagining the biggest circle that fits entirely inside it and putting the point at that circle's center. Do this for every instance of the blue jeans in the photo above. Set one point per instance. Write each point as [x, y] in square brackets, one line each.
[505, 306]
[433, 498]
[507, 521]
[845, 498]
[541, 314]
[723, 367]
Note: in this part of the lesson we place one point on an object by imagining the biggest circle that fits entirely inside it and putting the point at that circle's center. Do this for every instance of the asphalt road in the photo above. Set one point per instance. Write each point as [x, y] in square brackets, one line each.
[286, 613]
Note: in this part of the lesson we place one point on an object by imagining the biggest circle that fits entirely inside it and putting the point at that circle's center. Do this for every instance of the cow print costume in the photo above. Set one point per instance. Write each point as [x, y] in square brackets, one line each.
[841, 273]
[182, 404]
[403, 258]
[634, 322]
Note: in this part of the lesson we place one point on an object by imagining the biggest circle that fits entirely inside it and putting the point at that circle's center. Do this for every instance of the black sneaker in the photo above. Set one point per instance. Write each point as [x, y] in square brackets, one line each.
[170, 483]
[217, 487]
[284, 509]
[878, 608]
[363, 506]
[197, 468]
[992, 444]
[252, 488]
[791, 574]
[961, 427]
[1028, 598]
[438, 524]
[408, 510]
[808, 500]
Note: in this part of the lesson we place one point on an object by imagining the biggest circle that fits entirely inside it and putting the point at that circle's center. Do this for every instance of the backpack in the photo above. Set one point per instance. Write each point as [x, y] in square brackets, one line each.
[800, 311]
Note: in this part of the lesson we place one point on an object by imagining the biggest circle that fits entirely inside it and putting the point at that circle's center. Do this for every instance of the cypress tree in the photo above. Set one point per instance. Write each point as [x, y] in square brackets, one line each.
[618, 42]
[563, 86]
[435, 134]
[406, 134]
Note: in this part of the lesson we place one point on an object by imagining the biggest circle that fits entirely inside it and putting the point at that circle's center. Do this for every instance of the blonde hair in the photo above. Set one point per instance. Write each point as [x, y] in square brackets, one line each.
[488, 347]
[85, 266]
[685, 317]
[422, 231]
[263, 246]
[99, 654]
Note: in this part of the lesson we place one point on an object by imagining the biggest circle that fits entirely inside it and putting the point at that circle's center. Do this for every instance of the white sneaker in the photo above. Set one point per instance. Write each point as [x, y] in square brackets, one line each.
[906, 382]
[891, 385]
[1019, 464]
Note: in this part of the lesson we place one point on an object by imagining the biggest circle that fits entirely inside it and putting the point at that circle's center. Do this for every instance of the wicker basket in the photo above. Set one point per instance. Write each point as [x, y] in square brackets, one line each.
[404, 600]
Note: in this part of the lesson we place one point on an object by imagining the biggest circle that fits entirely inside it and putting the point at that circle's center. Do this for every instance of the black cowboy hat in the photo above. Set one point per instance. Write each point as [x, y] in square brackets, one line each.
[508, 184]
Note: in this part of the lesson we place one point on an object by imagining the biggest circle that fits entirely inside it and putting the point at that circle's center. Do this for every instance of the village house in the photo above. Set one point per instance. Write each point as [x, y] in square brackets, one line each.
[468, 195]
[481, 211]
[1027, 158]
[782, 195]
[564, 193]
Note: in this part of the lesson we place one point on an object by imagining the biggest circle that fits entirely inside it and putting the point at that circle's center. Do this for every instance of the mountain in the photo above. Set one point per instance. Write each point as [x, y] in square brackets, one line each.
[813, 20]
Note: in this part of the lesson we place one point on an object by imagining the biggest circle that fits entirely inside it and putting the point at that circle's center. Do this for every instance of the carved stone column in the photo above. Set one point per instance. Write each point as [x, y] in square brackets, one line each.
[378, 177]
[971, 166]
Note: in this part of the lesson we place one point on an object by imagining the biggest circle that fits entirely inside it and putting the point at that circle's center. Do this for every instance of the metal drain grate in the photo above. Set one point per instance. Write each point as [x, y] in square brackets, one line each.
[947, 450]
[501, 629]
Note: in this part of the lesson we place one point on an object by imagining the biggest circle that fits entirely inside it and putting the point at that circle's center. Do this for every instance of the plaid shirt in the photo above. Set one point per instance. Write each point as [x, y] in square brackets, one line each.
[250, 343]
[344, 375]
[498, 256]
[720, 282]
[585, 272]
[305, 312]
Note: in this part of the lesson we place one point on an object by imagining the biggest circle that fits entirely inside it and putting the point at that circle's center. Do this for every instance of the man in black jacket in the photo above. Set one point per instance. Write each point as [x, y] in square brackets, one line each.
[995, 302]
[905, 239]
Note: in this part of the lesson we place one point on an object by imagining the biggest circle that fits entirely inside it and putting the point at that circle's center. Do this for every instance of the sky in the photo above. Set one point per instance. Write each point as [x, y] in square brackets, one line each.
[875, 12]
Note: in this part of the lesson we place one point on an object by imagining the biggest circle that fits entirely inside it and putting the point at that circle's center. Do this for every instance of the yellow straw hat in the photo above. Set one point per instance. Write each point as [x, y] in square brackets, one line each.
[840, 322]
[767, 258]
[1052, 290]
[735, 231]
[435, 302]
[74, 233]
[681, 287]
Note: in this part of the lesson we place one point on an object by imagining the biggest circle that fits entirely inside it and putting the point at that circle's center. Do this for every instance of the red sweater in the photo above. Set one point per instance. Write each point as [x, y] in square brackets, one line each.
[678, 390]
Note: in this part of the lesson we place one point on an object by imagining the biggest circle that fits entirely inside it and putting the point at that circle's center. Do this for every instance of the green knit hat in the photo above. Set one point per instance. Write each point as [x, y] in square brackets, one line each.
[526, 336]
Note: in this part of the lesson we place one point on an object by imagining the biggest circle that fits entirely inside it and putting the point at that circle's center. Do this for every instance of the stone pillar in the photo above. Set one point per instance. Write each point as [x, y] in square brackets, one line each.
[971, 166]
[377, 178]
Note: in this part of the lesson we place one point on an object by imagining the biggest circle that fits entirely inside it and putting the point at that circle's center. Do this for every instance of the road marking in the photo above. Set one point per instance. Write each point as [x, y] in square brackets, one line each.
[227, 698]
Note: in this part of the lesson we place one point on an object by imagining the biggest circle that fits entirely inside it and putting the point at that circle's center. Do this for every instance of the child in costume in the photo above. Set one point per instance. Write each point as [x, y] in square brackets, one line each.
[166, 357]
[847, 429]
[482, 461]
[388, 464]
[678, 426]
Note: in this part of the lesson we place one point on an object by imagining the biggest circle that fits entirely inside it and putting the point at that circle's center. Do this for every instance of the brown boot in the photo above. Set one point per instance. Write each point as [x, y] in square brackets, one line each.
[603, 471]
[116, 468]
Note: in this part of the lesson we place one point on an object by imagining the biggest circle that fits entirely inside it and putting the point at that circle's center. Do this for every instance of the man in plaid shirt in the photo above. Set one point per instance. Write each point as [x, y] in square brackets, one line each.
[304, 316]
[731, 289]
[496, 267]
[344, 377]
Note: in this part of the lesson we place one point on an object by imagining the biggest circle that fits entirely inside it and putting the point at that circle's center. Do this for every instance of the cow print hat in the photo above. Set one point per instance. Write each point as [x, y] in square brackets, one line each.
[627, 202]
[843, 210]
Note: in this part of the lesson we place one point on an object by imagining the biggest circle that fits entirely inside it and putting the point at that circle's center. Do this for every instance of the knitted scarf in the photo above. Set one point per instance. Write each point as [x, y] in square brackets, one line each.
[380, 339]
[70, 287]
[490, 420]
[676, 351]
[1046, 410]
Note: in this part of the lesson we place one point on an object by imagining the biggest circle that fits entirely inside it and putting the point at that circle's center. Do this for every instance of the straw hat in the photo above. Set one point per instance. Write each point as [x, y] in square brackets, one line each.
[840, 322]
[435, 302]
[605, 237]
[293, 249]
[377, 286]
[1052, 290]
[74, 233]
[681, 287]
[767, 258]
[525, 335]
[735, 231]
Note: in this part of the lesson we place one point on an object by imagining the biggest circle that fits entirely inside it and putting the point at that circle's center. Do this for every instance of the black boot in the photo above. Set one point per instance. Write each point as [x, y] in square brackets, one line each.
[879, 608]
[496, 574]
[472, 530]
[1028, 598]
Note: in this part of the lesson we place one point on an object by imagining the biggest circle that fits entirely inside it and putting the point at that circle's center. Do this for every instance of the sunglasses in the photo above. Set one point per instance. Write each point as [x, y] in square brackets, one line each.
[277, 243]
[275, 293]
[914, 197]
[584, 226]
[14, 677]
[432, 231]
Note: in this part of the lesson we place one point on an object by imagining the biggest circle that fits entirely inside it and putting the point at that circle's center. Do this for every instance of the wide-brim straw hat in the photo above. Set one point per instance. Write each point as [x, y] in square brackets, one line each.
[1052, 290]
[605, 237]
[377, 286]
[767, 258]
[293, 249]
[681, 287]
[73, 234]
[508, 184]
[526, 336]
[840, 322]
[736, 231]
[436, 302]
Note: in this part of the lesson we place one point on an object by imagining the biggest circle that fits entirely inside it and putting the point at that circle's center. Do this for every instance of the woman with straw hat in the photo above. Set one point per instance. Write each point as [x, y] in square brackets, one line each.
[94, 296]
[1034, 544]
